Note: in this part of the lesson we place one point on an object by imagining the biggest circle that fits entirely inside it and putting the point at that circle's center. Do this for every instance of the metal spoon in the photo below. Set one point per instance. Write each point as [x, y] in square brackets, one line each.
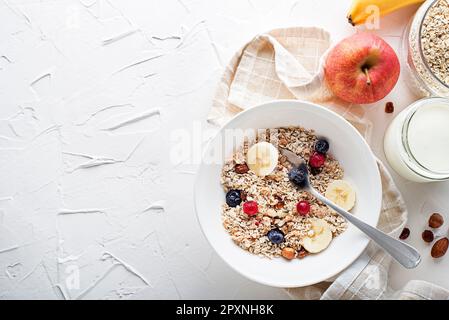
[406, 255]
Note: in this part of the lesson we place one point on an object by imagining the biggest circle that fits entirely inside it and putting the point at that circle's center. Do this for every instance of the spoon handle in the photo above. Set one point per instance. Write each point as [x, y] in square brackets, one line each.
[406, 255]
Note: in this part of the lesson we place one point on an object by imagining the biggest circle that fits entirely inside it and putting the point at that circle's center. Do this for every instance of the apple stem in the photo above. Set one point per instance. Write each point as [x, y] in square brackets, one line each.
[350, 21]
[368, 79]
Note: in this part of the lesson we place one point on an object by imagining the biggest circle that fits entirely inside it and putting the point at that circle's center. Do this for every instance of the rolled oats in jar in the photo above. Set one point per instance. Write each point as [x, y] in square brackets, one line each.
[425, 49]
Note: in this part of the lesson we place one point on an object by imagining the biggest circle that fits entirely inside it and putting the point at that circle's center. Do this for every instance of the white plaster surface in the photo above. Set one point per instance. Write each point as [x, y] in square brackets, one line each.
[90, 92]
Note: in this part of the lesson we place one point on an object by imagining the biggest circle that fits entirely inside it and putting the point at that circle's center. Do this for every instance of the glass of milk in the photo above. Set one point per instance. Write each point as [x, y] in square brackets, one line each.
[417, 142]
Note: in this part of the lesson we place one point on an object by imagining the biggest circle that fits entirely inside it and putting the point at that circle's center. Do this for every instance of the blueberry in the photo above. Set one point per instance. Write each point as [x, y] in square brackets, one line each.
[299, 176]
[233, 198]
[322, 146]
[276, 236]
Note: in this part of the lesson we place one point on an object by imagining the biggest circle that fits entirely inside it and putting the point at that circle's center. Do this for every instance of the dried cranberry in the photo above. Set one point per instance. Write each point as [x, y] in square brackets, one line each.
[303, 208]
[317, 160]
[250, 208]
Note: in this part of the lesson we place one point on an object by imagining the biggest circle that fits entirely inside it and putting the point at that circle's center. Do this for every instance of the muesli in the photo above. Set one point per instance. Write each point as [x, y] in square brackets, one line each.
[265, 213]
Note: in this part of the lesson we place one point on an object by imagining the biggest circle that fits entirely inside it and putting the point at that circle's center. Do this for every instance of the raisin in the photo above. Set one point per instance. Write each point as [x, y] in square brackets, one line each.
[389, 107]
[427, 236]
[405, 234]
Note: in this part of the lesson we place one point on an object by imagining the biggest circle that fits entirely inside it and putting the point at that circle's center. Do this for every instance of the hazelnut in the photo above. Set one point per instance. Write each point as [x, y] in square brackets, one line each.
[436, 220]
[439, 248]
[241, 168]
[404, 234]
[427, 236]
[288, 253]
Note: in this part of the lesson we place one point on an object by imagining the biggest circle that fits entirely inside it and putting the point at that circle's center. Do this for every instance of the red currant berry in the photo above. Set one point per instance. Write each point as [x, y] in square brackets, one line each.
[250, 208]
[303, 208]
[317, 160]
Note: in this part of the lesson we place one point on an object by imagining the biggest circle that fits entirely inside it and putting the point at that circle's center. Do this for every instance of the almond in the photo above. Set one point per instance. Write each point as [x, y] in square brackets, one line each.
[436, 220]
[439, 248]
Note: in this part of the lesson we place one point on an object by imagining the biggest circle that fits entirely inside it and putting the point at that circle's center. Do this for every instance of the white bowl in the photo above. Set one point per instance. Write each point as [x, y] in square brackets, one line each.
[349, 148]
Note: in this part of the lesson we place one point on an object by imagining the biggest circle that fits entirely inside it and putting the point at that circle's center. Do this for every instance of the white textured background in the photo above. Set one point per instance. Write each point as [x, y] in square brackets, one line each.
[90, 91]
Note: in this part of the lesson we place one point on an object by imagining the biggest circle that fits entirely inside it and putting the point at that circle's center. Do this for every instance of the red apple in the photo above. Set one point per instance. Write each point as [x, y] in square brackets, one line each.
[362, 69]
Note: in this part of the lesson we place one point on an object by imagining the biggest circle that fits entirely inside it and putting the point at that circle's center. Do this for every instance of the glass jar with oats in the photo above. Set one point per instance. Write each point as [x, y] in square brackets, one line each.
[425, 49]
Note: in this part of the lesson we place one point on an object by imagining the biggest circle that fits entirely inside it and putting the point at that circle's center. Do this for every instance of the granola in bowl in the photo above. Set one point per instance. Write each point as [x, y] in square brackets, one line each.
[268, 215]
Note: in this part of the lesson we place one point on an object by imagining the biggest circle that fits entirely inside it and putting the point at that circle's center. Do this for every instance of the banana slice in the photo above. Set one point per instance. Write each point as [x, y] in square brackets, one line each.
[319, 237]
[262, 158]
[341, 193]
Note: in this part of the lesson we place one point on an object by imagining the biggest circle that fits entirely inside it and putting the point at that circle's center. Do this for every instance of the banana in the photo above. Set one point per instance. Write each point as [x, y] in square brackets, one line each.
[361, 10]
[262, 158]
[341, 193]
[319, 237]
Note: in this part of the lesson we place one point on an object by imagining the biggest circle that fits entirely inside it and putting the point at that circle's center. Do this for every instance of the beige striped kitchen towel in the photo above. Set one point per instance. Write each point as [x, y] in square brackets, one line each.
[287, 64]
